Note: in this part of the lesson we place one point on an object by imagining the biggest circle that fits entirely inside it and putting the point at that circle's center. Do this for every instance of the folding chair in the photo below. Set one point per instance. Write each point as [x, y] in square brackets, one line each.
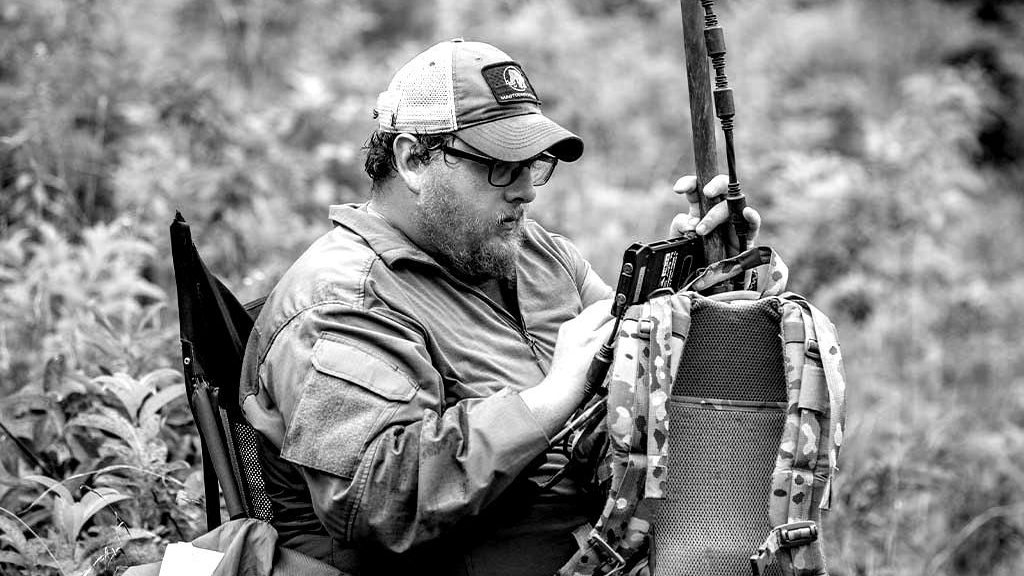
[214, 329]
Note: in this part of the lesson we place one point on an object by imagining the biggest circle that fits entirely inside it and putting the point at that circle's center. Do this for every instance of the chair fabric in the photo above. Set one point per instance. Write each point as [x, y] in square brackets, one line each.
[214, 328]
[250, 549]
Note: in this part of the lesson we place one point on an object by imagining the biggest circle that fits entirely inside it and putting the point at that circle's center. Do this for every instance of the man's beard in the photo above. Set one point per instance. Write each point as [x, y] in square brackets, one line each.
[469, 246]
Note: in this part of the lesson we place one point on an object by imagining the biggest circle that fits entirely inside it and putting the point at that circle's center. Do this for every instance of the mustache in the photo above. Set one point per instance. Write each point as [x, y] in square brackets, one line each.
[515, 215]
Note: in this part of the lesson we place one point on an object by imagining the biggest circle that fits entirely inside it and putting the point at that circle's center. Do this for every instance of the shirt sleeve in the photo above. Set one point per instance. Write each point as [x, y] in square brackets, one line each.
[590, 285]
[364, 411]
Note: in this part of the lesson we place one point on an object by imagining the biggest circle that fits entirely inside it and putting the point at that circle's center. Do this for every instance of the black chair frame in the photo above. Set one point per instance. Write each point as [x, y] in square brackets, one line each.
[214, 328]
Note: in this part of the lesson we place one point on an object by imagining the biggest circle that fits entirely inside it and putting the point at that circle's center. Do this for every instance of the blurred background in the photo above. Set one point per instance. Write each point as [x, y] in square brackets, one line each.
[881, 141]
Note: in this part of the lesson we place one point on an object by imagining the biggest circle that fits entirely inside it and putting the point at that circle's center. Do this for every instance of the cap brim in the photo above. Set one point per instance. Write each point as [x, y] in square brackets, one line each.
[522, 137]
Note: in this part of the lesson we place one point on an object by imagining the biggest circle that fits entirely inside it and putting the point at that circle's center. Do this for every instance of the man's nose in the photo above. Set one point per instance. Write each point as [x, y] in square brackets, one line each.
[522, 190]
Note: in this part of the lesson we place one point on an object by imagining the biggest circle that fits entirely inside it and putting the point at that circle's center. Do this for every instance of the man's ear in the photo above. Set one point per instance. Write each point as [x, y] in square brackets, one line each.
[409, 167]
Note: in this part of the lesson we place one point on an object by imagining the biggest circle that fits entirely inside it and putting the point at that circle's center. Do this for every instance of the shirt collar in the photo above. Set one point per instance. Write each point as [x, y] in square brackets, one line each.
[384, 239]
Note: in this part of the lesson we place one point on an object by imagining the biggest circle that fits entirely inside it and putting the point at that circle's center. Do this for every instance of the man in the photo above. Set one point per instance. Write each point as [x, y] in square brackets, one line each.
[409, 369]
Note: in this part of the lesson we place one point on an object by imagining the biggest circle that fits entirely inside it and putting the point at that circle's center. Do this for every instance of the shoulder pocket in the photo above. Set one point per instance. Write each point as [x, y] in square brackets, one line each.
[343, 358]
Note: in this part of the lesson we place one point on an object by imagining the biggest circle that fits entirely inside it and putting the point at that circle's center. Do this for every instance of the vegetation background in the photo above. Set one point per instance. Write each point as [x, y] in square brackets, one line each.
[881, 140]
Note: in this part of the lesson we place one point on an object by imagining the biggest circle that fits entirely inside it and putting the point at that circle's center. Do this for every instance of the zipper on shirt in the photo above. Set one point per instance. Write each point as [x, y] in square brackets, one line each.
[511, 293]
[517, 322]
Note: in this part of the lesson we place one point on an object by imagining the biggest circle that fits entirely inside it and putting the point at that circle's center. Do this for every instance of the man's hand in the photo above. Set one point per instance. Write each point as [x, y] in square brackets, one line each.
[719, 213]
[579, 340]
[557, 396]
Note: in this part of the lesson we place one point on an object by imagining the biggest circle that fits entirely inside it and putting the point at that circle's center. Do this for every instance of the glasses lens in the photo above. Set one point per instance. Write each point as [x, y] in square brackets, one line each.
[541, 170]
[504, 173]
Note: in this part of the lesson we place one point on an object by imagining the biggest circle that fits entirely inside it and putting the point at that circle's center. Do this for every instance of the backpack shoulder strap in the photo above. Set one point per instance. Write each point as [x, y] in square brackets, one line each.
[811, 439]
[647, 353]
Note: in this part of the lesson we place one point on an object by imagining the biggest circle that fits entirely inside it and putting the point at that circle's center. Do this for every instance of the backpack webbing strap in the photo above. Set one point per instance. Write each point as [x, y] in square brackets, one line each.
[770, 273]
[808, 451]
[638, 394]
[830, 358]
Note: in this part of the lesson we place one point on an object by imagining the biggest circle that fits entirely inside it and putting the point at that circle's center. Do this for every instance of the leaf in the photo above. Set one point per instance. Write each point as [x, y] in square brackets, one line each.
[154, 403]
[140, 534]
[13, 558]
[176, 465]
[94, 500]
[13, 535]
[26, 401]
[153, 380]
[52, 486]
[150, 318]
[126, 390]
[21, 427]
[111, 422]
[66, 518]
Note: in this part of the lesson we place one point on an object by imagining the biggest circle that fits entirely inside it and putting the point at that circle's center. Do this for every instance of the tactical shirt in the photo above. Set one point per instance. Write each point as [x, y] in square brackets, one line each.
[394, 386]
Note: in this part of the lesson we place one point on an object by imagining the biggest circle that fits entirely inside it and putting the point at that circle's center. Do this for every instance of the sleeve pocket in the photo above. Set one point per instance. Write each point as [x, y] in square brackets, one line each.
[342, 358]
[350, 394]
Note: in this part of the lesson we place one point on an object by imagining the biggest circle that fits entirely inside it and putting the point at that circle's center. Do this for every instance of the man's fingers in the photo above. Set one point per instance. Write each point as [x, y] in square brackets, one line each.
[718, 214]
[687, 185]
[686, 221]
[754, 222]
[716, 189]
[683, 223]
[718, 186]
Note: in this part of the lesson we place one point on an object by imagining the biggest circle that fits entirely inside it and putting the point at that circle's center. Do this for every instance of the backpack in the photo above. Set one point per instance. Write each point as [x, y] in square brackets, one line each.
[753, 384]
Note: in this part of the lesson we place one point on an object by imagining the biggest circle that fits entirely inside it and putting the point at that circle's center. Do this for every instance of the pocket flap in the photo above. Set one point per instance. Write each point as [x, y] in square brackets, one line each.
[343, 358]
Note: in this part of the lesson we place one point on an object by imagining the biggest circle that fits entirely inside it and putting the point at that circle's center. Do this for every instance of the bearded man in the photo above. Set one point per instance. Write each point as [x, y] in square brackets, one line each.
[408, 371]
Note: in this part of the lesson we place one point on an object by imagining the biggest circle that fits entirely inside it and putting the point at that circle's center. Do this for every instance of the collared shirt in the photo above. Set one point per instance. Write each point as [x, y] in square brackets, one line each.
[394, 386]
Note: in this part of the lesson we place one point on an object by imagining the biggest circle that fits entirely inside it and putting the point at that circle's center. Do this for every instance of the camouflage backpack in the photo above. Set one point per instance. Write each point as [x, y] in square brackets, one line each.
[735, 471]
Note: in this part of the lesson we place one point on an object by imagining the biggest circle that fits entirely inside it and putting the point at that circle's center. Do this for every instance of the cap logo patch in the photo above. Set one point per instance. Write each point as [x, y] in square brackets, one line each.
[515, 79]
[508, 83]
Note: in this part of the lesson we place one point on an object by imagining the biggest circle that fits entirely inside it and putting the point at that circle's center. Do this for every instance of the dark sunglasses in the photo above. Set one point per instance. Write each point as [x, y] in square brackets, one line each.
[501, 173]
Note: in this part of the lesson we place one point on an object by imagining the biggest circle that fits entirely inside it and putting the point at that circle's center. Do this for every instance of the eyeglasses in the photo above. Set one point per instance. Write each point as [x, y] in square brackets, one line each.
[501, 173]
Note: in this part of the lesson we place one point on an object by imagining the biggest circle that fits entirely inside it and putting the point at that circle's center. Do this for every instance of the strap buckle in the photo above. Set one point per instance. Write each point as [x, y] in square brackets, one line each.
[797, 533]
[600, 545]
[644, 327]
[784, 536]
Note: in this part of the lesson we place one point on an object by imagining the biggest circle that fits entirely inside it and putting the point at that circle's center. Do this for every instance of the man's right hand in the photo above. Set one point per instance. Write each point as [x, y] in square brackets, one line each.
[579, 340]
[718, 215]
[560, 393]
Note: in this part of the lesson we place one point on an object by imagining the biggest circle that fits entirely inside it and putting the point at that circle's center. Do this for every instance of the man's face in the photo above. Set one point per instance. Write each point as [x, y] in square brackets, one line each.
[473, 228]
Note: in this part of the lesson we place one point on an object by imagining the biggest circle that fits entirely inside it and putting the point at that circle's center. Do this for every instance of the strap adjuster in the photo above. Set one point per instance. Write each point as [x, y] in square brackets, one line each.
[782, 537]
[610, 556]
[644, 327]
[797, 533]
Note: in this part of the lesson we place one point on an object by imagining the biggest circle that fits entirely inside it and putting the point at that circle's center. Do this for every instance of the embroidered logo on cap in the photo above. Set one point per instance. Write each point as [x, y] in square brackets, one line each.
[515, 78]
[508, 83]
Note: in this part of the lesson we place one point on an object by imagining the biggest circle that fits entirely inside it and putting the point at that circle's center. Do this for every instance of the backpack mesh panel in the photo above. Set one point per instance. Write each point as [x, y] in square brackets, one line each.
[733, 352]
[715, 513]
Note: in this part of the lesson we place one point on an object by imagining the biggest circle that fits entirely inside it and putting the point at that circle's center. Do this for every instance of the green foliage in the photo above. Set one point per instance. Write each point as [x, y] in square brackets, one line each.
[69, 516]
[66, 547]
[116, 439]
[87, 300]
[880, 140]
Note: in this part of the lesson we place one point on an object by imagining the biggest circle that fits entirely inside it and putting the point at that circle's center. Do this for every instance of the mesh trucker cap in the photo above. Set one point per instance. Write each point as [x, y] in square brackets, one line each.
[479, 92]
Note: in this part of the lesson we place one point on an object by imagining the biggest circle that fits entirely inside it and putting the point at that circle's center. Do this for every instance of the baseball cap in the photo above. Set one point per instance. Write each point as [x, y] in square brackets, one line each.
[481, 94]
